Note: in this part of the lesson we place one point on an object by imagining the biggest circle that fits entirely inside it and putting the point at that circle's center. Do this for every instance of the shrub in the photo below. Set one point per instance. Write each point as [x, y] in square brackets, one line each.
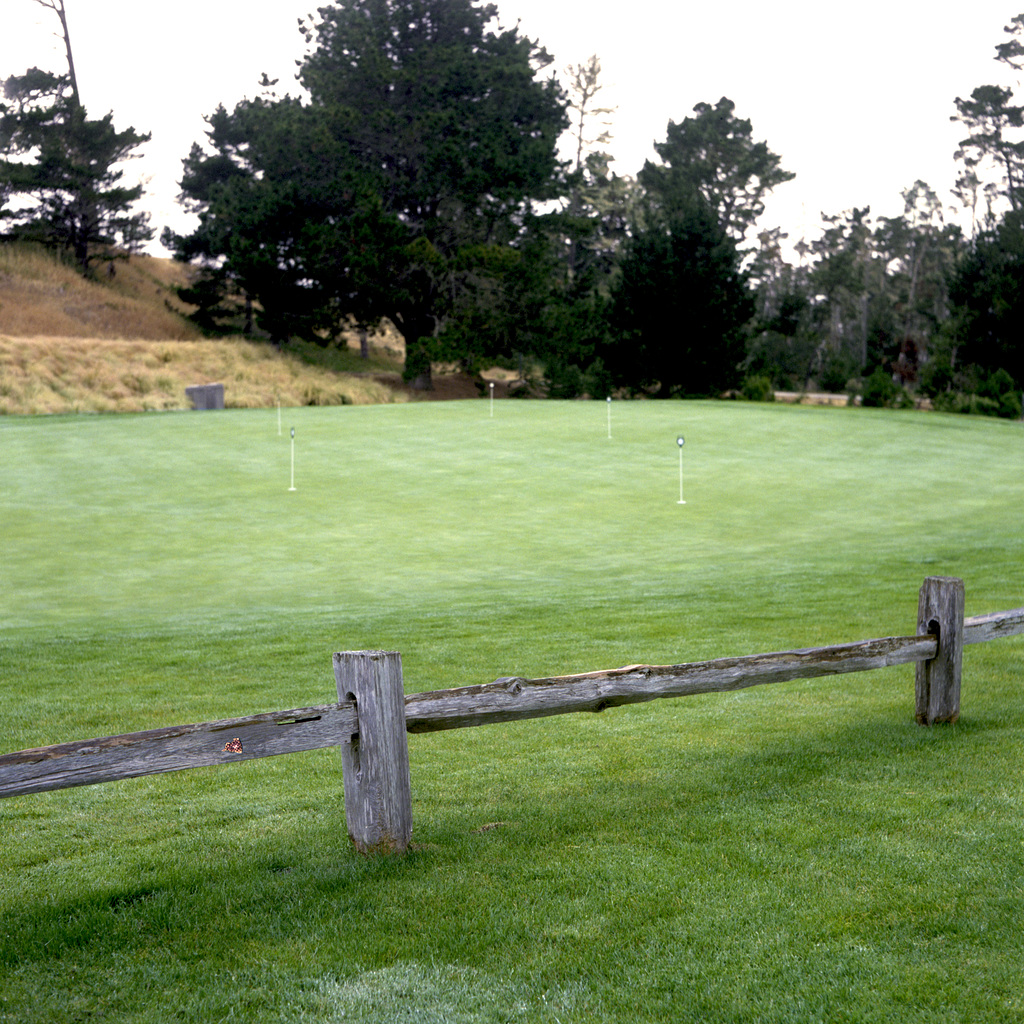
[1000, 388]
[968, 404]
[996, 385]
[936, 376]
[597, 380]
[563, 379]
[879, 390]
[1010, 407]
[981, 395]
[835, 372]
[758, 388]
[417, 363]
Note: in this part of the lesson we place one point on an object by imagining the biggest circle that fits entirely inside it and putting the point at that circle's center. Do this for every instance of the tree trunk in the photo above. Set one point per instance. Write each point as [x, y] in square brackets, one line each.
[81, 244]
[57, 6]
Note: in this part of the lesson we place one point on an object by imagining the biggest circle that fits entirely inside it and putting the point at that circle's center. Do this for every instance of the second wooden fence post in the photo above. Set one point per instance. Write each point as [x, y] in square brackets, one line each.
[940, 611]
[375, 762]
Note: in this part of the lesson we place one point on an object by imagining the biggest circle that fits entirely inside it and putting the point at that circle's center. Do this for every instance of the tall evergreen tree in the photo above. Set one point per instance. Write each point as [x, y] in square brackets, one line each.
[784, 341]
[987, 297]
[426, 139]
[680, 306]
[60, 180]
[987, 290]
[682, 302]
[590, 127]
[714, 154]
[993, 123]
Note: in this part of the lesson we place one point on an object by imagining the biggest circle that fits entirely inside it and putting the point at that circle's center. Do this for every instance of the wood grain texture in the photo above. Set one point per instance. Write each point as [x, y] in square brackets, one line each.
[940, 611]
[85, 762]
[512, 699]
[375, 760]
[176, 748]
[980, 628]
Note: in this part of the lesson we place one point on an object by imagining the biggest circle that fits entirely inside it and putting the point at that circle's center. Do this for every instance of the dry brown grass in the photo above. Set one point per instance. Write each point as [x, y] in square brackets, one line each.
[41, 296]
[122, 344]
[51, 375]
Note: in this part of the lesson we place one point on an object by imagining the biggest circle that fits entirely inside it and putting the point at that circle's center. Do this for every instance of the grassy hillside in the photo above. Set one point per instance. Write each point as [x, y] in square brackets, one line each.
[54, 375]
[122, 344]
[784, 854]
[42, 297]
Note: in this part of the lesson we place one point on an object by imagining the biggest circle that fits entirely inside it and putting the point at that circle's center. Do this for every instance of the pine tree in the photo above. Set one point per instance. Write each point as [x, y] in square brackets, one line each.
[407, 176]
[60, 183]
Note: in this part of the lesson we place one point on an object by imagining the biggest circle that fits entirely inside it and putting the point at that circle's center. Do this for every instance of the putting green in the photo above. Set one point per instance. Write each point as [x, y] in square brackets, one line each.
[429, 510]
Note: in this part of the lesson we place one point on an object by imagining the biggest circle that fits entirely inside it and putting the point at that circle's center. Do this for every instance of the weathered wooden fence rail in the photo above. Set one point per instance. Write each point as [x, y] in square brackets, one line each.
[373, 716]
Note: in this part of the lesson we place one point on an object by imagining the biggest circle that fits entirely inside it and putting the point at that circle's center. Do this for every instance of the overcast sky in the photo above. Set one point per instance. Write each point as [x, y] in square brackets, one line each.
[856, 99]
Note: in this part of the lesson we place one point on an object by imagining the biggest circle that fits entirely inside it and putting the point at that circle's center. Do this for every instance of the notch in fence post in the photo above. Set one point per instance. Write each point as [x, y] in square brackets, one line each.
[375, 762]
[940, 611]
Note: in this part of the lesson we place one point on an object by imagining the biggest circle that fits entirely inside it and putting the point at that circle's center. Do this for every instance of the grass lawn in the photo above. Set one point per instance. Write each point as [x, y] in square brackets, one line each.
[797, 852]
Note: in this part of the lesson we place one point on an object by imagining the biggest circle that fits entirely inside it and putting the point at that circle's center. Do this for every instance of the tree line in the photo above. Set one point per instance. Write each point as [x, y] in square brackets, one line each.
[417, 180]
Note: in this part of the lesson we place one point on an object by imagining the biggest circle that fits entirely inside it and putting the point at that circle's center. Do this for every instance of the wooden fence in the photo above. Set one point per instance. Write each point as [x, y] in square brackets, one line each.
[373, 716]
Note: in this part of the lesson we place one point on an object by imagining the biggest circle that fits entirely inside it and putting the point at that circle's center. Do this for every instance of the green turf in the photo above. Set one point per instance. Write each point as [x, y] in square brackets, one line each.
[793, 853]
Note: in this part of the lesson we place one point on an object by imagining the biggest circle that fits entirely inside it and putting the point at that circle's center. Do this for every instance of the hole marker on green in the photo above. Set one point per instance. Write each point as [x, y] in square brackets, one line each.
[680, 441]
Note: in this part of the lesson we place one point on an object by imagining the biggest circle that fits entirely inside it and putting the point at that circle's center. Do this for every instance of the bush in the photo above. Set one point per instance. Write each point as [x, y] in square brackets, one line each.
[563, 380]
[1010, 407]
[417, 363]
[597, 381]
[566, 380]
[879, 390]
[996, 385]
[758, 388]
[936, 376]
[835, 372]
[967, 404]
[980, 395]
[1000, 388]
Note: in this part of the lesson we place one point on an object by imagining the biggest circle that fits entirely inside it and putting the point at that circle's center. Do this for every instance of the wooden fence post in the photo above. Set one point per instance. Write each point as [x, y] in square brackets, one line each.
[375, 761]
[940, 611]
